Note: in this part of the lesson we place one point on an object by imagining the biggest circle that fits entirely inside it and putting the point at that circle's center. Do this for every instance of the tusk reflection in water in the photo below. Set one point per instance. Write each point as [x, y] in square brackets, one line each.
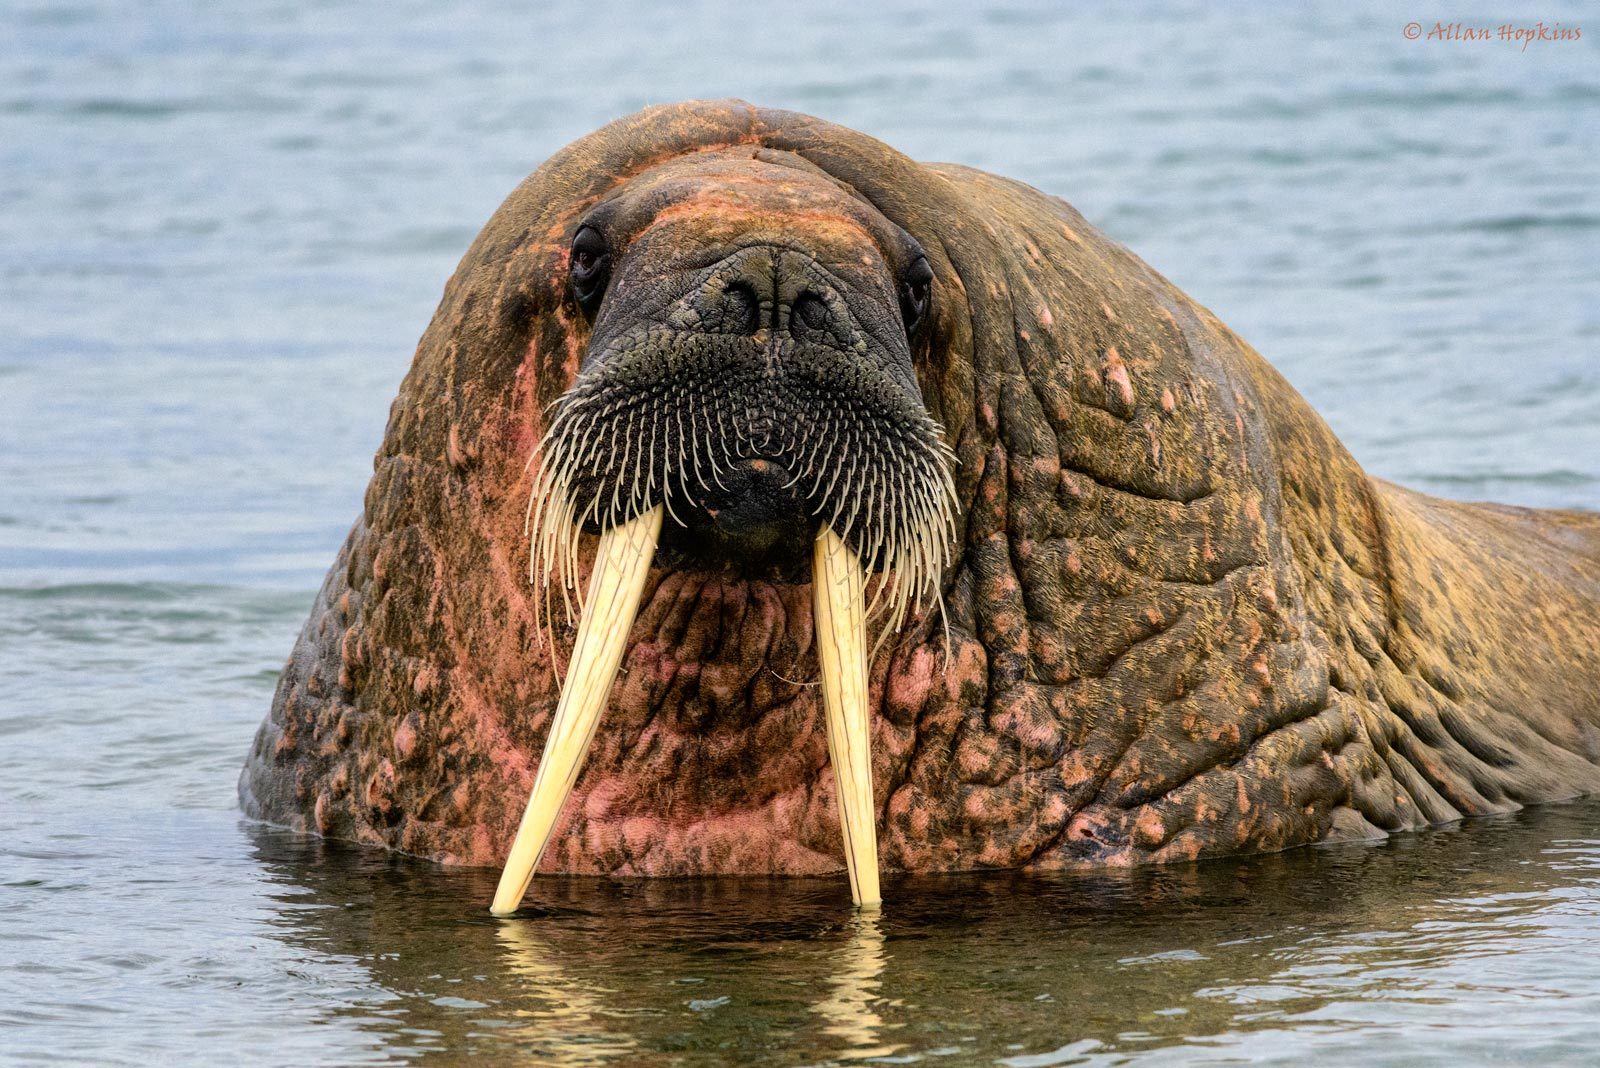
[848, 1011]
[574, 1028]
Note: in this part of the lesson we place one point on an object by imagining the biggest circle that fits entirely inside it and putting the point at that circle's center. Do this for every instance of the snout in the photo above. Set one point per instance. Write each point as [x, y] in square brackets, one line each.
[756, 393]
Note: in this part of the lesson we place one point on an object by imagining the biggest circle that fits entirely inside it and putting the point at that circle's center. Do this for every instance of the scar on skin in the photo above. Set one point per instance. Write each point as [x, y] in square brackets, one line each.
[1117, 375]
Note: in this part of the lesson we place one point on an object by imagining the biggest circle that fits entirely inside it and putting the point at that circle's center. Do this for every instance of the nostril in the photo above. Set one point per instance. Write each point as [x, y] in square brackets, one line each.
[743, 308]
[811, 311]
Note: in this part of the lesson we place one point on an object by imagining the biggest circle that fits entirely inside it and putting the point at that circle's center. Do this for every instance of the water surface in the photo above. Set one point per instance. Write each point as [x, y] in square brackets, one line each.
[225, 227]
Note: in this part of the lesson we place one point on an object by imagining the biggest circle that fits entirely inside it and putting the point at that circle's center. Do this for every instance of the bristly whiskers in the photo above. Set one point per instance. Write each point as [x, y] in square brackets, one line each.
[863, 458]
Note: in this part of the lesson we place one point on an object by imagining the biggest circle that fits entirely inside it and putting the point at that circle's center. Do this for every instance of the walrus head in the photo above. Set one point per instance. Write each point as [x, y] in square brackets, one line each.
[749, 374]
[749, 371]
[730, 369]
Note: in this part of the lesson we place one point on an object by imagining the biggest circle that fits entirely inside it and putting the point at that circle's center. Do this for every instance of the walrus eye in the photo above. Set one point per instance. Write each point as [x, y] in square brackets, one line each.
[590, 267]
[916, 291]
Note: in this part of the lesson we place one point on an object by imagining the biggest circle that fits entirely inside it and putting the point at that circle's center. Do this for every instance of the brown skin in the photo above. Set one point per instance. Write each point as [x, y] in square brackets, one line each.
[1182, 621]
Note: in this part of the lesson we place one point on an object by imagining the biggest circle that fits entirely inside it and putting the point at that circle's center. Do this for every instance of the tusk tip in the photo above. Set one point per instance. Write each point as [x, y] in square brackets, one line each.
[505, 904]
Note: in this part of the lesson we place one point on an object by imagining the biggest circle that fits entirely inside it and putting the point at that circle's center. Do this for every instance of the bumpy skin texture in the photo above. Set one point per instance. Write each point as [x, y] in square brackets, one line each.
[1182, 621]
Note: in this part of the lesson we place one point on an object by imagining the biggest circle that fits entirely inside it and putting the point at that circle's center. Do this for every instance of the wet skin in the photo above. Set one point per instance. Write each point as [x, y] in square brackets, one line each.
[1182, 621]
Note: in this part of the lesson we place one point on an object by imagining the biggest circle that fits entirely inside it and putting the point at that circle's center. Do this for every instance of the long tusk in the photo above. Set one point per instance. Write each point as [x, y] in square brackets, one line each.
[620, 568]
[840, 616]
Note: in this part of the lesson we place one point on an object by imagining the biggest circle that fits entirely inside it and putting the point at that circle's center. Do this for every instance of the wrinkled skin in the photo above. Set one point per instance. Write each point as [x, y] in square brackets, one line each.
[1182, 622]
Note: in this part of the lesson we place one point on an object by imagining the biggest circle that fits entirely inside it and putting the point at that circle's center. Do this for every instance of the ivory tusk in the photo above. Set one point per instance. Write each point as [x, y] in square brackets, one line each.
[620, 567]
[841, 631]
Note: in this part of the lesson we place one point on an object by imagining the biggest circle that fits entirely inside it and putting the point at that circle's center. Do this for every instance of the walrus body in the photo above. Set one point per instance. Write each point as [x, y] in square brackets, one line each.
[1178, 619]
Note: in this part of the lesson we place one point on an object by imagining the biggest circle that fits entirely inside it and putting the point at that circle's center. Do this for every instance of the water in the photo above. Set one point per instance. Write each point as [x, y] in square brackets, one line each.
[225, 227]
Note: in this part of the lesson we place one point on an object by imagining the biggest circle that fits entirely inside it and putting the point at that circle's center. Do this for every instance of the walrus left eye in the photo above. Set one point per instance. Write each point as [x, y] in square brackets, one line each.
[590, 267]
[916, 292]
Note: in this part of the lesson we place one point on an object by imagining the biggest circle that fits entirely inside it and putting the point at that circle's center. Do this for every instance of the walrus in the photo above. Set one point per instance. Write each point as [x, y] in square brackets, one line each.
[922, 527]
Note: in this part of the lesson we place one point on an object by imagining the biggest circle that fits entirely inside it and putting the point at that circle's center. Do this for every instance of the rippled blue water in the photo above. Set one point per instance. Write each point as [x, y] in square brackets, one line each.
[225, 227]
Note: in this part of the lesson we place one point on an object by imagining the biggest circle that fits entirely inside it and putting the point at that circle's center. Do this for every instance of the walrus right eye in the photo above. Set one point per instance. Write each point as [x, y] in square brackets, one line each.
[590, 267]
[916, 293]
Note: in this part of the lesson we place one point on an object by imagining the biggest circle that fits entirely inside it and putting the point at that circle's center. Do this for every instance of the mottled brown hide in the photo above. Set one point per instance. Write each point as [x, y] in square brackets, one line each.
[1182, 621]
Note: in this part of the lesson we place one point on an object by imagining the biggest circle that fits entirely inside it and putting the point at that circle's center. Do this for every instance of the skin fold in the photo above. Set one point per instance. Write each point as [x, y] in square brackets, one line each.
[1178, 621]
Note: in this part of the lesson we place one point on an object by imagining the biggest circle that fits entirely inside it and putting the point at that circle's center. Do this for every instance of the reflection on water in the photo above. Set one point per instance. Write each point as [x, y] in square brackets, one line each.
[853, 990]
[567, 1028]
[556, 1011]
[1344, 949]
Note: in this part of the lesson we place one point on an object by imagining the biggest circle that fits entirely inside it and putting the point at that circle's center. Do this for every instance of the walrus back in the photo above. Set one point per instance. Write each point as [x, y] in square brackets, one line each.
[1466, 635]
[1418, 660]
